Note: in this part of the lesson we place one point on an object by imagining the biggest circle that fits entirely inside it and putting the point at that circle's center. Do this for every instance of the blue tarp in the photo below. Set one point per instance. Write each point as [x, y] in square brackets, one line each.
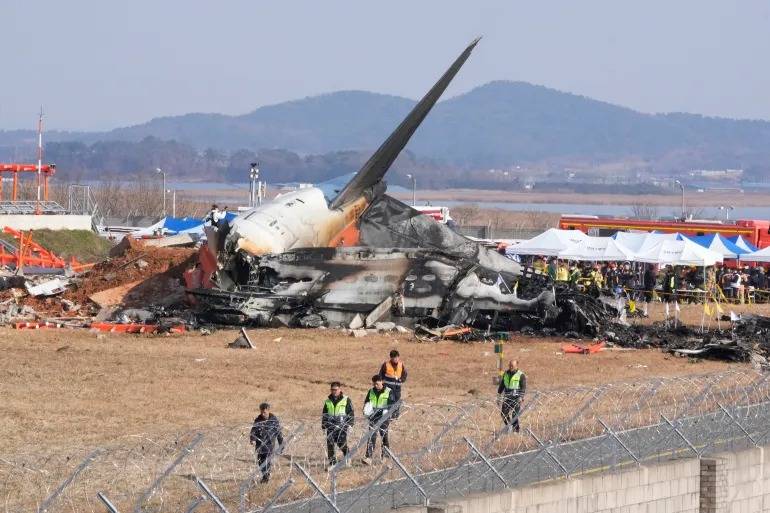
[183, 224]
[743, 242]
[714, 241]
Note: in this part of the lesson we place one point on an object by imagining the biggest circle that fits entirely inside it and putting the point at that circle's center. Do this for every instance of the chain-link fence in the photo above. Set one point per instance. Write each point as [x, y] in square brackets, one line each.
[438, 450]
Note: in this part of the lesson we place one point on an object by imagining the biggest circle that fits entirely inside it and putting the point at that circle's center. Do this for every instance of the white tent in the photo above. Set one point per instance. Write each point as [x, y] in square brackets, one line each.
[678, 252]
[597, 249]
[762, 255]
[641, 242]
[548, 243]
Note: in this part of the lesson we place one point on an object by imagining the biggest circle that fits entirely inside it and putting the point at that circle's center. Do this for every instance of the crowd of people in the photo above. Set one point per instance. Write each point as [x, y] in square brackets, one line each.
[741, 284]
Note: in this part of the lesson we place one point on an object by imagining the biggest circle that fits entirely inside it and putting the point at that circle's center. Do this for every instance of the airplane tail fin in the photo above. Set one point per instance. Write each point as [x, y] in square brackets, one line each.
[379, 163]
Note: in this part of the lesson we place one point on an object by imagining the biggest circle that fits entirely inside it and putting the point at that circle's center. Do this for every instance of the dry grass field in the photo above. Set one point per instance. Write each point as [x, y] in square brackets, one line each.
[61, 388]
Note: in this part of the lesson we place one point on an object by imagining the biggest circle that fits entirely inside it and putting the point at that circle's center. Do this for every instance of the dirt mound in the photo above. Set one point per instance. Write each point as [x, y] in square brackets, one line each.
[150, 274]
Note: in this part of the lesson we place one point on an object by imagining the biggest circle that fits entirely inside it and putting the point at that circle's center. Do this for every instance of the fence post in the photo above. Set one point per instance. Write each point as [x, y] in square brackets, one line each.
[185, 452]
[740, 426]
[681, 435]
[614, 435]
[317, 487]
[80, 468]
[110, 506]
[212, 497]
[408, 475]
[545, 449]
[485, 460]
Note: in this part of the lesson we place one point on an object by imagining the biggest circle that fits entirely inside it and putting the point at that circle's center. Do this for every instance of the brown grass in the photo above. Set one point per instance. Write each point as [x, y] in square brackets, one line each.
[74, 387]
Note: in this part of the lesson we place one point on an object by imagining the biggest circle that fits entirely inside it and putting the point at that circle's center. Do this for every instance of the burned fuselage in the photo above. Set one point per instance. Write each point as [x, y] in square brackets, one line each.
[309, 259]
[331, 286]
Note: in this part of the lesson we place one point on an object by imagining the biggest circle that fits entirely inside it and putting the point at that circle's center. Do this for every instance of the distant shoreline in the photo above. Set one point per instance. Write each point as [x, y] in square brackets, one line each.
[694, 199]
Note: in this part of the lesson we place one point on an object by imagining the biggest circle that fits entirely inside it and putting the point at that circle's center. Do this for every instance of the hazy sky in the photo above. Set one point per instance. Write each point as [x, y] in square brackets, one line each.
[101, 64]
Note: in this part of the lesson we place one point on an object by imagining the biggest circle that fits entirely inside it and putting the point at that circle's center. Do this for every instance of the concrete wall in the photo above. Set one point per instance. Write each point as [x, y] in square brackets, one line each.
[51, 222]
[666, 488]
[724, 483]
[740, 482]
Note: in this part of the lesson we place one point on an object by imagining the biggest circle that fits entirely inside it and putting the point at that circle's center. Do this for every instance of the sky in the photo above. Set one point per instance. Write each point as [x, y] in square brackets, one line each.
[97, 65]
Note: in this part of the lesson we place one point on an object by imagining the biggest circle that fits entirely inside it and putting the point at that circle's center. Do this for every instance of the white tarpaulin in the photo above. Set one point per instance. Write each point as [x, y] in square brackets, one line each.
[763, 255]
[641, 242]
[597, 249]
[548, 243]
[678, 252]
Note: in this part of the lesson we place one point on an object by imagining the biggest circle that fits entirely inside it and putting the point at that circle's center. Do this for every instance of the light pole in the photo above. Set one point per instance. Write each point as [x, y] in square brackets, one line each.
[163, 173]
[727, 209]
[414, 189]
[682, 187]
[173, 202]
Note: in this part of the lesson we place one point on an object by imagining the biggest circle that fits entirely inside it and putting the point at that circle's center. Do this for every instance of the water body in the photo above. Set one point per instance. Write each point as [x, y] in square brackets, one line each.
[609, 210]
[560, 208]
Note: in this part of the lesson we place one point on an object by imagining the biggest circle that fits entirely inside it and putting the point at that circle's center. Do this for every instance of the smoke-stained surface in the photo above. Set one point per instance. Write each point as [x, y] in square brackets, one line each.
[391, 223]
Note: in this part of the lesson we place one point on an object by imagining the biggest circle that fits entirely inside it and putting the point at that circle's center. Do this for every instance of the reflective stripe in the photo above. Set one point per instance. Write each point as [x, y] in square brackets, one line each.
[336, 410]
[380, 401]
[394, 373]
[512, 381]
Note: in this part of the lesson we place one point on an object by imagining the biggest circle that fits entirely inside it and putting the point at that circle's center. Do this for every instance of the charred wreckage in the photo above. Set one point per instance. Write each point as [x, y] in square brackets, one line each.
[323, 256]
[345, 254]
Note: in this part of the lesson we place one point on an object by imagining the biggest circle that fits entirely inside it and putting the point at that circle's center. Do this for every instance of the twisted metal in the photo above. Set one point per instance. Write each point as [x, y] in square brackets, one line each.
[438, 449]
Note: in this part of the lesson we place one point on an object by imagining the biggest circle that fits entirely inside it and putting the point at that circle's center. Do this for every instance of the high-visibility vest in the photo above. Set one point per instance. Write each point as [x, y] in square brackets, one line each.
[394, 373]
[561, 274]
[512, 382]
[337, 410]
[381, 401]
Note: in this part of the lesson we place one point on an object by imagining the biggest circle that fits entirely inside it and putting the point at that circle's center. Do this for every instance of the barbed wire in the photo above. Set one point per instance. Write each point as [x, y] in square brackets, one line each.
[441, 447]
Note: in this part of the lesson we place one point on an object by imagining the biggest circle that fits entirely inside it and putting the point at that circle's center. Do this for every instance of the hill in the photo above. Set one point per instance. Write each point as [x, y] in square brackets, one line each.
[498, 124]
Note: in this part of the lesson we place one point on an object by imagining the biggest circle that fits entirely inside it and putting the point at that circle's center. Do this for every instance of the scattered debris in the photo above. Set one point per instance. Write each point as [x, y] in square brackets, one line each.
[242, 342]
[581, 349]
[48, 288]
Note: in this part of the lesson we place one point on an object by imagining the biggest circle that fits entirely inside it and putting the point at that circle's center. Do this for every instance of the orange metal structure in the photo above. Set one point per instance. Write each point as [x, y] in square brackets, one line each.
[754, 231]
[46, 170]
[30, 253]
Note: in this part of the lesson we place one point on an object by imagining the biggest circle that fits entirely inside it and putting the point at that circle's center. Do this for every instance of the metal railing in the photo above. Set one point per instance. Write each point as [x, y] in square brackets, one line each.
[81, 200]
[438, 451]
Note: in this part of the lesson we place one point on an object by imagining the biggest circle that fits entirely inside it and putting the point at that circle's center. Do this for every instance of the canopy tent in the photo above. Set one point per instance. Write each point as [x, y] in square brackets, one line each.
[597, 249]
[762, 255]
[548, 243]
[715, 242]
[640, 242]
[678, 252]
[742, 243]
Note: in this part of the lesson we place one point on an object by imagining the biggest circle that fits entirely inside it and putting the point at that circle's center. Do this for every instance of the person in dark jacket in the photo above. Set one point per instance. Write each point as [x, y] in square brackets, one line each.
[379, 399]
[511, 390]
[393, 373]
[336, 418]
[265, 431]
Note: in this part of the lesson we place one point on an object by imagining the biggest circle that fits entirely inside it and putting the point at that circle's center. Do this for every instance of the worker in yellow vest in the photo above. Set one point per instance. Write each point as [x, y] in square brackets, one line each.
[562, 274]
[393, 374]
[510, 391]
[377, 403]
[337, 417]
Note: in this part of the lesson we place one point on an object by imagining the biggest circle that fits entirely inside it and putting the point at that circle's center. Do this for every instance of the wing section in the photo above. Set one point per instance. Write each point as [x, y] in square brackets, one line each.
[379, 163]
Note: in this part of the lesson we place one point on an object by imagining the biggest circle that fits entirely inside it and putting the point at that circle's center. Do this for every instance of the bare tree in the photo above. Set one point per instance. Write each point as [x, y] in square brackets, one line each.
[644, 211]
[466, 214]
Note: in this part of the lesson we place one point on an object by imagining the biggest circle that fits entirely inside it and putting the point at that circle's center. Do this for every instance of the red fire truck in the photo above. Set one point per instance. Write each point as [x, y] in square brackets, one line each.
[755, 232]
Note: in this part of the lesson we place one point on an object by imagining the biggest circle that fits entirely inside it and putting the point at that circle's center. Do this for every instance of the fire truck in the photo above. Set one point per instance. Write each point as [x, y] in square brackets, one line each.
[754, 231]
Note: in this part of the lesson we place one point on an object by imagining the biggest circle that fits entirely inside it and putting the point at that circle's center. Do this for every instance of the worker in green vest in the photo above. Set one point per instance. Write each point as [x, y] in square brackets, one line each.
[336, 419]
[511, 390]
[377, 404]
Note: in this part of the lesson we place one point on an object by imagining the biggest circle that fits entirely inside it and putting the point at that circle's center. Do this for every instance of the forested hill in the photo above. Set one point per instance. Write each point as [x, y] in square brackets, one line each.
[495, 125]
